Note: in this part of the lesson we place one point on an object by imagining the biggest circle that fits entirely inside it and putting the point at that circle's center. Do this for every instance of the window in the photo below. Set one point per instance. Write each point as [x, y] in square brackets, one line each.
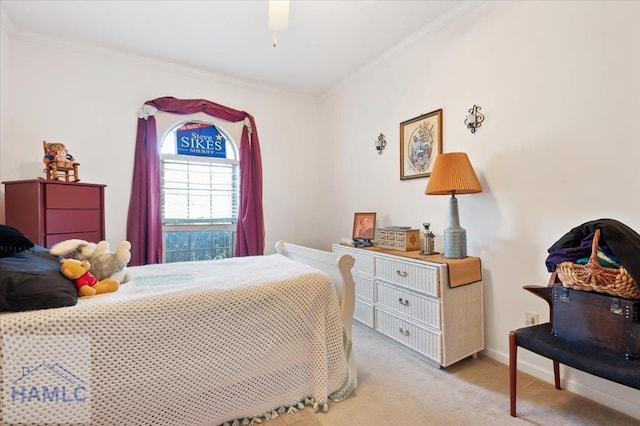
[199, 171]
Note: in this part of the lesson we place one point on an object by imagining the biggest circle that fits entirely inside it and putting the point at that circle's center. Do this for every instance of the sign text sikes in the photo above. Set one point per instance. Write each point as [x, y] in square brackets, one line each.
[199, 141]
[202, 140]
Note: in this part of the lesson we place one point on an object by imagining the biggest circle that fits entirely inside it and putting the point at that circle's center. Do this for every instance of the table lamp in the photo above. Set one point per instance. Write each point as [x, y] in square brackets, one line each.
[453, 174]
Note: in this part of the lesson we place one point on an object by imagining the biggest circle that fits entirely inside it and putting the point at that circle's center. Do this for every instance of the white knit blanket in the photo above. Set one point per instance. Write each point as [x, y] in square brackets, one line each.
[202, 343]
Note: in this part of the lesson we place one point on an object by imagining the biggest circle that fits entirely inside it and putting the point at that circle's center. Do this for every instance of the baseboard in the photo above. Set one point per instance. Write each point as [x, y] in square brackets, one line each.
[627, 406]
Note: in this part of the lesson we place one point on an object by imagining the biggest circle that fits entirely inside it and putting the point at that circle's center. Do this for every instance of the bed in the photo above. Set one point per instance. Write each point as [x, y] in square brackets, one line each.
[234, 341]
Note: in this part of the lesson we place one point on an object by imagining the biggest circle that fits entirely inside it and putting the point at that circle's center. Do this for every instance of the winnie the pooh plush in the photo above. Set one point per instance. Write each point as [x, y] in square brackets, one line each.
[88, 285]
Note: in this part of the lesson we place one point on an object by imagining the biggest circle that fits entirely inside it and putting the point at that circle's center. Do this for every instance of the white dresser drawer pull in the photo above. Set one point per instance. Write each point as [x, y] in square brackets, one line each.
[404, 302]
[402, 274]
[403, 331]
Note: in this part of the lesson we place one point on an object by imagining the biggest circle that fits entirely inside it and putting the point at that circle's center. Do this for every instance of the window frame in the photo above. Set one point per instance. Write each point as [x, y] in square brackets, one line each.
[233, 162]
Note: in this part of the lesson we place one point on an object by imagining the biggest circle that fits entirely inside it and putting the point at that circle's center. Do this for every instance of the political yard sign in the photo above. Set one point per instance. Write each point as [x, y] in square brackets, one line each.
[200, 139]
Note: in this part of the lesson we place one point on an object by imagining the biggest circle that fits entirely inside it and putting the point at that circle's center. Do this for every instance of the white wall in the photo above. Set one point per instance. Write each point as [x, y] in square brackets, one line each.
[558, 84]
[4, 89]
[89, 99]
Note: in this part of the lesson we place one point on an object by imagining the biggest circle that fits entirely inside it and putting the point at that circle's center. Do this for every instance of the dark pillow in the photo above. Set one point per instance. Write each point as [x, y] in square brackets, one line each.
[32, 280]
[13, 241]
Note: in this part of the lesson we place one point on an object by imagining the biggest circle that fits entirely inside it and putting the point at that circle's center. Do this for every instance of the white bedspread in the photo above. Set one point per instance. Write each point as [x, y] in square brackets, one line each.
[204, 342]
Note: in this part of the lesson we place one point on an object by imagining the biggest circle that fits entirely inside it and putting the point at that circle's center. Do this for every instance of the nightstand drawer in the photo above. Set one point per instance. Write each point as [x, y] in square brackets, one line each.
[417, 338]
[418, 308]
[364, 312]
[72, 221]
[72, 197]
[421, 278]
[364, 287]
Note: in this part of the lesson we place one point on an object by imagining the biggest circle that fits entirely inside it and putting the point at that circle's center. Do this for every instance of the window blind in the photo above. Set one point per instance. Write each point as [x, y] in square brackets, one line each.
[199, 192]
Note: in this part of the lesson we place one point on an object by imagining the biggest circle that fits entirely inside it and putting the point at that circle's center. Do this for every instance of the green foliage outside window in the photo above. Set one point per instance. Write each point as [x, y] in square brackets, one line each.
[181, 246]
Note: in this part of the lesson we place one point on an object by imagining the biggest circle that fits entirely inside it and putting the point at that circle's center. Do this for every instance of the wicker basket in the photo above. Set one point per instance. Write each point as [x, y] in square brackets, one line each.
[594, 277]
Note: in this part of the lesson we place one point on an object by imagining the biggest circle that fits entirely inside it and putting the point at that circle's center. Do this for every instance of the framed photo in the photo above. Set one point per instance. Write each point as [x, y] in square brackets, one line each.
[420, 144]
[364, 226]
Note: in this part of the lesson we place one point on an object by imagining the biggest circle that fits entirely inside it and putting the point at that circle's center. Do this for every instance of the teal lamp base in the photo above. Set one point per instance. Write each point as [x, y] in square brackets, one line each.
[455, 243]
[455, 237]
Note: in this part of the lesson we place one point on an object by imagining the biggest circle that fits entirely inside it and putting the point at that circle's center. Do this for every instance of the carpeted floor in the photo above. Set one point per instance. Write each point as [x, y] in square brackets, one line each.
[397, 389]
[304, 417]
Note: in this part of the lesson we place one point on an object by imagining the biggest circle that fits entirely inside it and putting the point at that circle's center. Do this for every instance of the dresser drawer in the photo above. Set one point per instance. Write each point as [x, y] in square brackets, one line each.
[420, 339]
[364, 287]
[364, 312]
[73, 221]
[73, 197]
[419, 308]
[363, 260]
[421, 278]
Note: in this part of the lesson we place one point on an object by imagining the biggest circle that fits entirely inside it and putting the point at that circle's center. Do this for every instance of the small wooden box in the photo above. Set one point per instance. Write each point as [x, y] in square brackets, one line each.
[399, 239]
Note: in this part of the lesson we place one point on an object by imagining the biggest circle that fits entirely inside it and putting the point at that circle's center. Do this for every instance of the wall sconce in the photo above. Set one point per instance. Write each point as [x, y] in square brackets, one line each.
[474, 119]
[381, 142]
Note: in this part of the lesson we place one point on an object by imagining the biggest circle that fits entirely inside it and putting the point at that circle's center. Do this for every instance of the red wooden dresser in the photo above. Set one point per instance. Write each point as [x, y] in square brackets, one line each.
[49, 211]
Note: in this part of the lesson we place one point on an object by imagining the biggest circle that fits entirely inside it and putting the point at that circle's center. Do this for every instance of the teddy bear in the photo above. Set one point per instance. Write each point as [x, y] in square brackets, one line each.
[87, 284]
[57, 152]
[104, 264]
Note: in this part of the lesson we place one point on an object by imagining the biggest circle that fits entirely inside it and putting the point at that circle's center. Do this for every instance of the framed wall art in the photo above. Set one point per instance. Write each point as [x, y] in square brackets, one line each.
[364, 226]
[420, 144]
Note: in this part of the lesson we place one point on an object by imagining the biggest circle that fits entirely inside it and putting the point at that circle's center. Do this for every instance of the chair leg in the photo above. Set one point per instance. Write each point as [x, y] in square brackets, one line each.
[513, 371]
[556, 374]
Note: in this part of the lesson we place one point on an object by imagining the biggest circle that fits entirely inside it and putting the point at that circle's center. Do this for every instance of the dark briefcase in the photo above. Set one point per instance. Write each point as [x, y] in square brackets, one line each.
[598, 320]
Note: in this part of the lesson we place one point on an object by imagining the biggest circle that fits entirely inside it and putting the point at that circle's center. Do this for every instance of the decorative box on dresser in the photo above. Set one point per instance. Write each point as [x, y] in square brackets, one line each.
[410, 299]
[50, 211]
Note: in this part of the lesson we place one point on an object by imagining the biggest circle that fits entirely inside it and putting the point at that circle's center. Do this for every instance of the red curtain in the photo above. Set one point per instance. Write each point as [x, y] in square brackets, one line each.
[144, 222]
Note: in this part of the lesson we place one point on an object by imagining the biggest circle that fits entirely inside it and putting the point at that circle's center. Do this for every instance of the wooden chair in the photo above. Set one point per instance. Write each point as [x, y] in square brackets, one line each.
[54, 170]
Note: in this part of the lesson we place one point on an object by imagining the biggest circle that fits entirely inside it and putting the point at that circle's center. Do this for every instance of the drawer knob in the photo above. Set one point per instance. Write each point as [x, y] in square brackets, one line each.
[402, 274]
[404, 302]
[403, 331]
